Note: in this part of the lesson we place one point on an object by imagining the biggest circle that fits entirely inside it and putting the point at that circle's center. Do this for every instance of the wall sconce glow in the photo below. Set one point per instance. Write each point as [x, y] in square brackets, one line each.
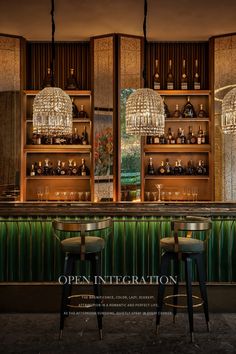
[228, 116]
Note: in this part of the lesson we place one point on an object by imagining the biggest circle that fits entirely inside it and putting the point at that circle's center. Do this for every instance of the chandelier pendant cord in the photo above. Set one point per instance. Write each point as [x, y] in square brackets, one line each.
[145, 43]
[53, 44]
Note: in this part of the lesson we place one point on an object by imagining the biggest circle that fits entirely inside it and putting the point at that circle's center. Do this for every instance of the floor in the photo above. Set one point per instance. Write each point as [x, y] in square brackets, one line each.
[38, 334]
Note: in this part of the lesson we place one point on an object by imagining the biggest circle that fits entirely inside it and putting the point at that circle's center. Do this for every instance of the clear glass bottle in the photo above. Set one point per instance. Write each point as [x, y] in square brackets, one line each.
[71, 83]
[196, 79]
[170, 77]
[184, 79]
[188, 110]
[156, 77]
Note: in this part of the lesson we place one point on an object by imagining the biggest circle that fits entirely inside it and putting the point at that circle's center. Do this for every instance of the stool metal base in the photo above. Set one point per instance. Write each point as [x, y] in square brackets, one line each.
[182, 306]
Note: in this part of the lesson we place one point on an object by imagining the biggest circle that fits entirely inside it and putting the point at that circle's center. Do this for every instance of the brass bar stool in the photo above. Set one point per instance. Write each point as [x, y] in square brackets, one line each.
[185, 249]
[85, 248]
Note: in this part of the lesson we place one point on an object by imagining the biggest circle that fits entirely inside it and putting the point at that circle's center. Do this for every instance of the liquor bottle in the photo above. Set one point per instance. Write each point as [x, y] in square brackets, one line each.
[32, 171]
[191, 139]
[170, 77]
[46, 168]
[38, 139]
[75, 137]
[150, 168]
[176, 169]
[70, 167]
[199, 135]
[63, 169]
[199, 168]
[163, 139]
[169, 136]
[51, 169]
[74, 169]
[156, 139]
[74, 109]
[177, 113]
[34, 139]
[161, 169]
[82, 112]
[71, 83]
[39, 171]
[168, 169]
[184, 79]
[58, 168]
[178, 139]
[204, 137]
[48, 81]
[150, 139]
[156, 77]
[166, 109]
[190, 170]
[196, 79]
[173, 139]
[83, 170]
[181, 168]
[183, 137]
[204, 166]
[84, 138]
[188, 110]
[202, 113]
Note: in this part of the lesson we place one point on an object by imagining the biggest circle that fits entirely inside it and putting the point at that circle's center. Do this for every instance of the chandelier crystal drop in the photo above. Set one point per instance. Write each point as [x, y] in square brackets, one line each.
[145, 113]
[52, 112]
[228, 116]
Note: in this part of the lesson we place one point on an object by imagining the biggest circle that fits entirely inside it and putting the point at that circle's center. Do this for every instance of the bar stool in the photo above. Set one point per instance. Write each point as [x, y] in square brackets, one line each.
[84, 248]
[185, 249]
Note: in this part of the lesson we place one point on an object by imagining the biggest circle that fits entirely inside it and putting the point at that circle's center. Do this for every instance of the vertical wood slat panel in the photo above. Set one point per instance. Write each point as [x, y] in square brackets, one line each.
[177, 52]
[68, 55]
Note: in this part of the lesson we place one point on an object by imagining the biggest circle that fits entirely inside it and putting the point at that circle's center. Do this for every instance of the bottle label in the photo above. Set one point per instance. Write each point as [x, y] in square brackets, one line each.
[63, 172]
[197, 86]
[184, 85]
[170, 86]
[157, 86]
[83, 173]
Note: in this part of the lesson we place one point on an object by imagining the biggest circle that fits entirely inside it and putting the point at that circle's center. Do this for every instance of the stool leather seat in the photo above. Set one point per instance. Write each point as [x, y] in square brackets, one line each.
[185, 244]
[92, 244]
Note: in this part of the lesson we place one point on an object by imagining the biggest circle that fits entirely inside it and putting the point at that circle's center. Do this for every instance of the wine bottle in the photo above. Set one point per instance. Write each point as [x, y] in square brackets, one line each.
[188, 110]
[48, 81]
[190, 170]
[156, 77]
[71, 83]
[181, 168]
[82, 112]
[176, 169]
[184, 79]
[74, 109]
[199, 135]
[170, 77]
[161, 169]
[196, 79]
[83, 170]
[46, 168]
[150, 168]
[84, 138]
[177, 113]
[204, 167]
[202, 113]
[163, 139]
[199, 168]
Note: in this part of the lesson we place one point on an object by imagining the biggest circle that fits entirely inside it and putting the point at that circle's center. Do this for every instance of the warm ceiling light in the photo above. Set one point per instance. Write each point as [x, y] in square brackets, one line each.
[228, 116]
[52, 107]
[144, 107]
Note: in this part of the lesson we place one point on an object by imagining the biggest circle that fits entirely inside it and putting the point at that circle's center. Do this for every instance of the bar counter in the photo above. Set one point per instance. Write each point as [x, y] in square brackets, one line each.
[210, 209]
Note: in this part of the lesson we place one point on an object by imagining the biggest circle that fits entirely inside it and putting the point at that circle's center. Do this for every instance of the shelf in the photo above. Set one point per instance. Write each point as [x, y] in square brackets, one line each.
[159, 148]
[76, 120]
[56, 177]
[186, 120]
[58, 148]
[176, 177]
[69, 92]
[184, 92]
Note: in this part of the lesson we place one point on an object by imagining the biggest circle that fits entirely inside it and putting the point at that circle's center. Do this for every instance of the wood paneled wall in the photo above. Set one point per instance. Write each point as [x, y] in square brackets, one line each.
[68, 55]
[177, 51]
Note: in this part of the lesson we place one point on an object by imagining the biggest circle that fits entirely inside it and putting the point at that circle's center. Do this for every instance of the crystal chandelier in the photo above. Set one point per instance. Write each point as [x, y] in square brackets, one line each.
[228, 116]
[145, 107]
[52, 107]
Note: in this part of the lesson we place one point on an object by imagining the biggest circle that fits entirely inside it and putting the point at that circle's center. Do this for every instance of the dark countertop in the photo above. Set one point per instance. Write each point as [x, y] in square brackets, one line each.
[117, 209]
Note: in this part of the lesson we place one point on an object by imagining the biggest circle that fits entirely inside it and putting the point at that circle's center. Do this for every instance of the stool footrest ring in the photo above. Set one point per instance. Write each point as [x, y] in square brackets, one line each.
[182, 306]
[83, 296]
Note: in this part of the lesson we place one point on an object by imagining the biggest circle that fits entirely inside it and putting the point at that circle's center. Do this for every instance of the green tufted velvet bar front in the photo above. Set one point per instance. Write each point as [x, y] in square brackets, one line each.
[30, 252]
